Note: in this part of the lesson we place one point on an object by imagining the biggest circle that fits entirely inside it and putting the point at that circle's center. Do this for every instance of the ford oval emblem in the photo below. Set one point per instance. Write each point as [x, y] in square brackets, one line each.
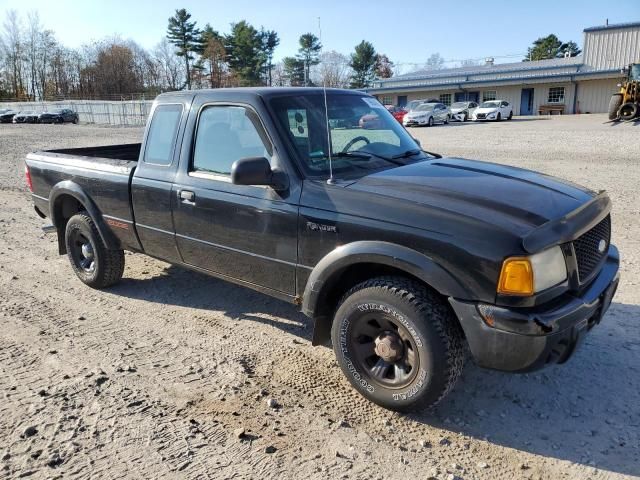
[602, 245]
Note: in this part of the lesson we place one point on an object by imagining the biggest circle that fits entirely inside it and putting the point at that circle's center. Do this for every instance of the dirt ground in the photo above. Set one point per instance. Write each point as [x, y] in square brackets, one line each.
[170, 373]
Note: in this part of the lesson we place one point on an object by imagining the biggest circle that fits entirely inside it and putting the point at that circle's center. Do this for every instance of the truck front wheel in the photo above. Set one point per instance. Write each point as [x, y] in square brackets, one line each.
[93, 262]
[398, 343]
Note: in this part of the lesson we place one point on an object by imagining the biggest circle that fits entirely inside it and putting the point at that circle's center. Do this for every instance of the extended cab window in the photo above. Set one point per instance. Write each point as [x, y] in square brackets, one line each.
[226, 134]
[162, 134]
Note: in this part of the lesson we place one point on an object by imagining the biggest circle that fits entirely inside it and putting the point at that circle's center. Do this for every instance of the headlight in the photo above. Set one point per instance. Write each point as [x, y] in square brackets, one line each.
[528, 275]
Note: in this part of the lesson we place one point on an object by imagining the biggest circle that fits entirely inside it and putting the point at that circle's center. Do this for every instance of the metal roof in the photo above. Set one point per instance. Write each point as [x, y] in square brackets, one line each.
[553, 63]
[491, 72]
[612, 26]
[462, 85]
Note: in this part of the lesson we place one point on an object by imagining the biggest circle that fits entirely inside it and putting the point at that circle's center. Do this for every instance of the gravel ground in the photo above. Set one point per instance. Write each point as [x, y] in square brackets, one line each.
[172, 374]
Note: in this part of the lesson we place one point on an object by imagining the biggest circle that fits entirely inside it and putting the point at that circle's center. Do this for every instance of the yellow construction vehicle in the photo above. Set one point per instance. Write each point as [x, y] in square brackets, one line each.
[625, 105]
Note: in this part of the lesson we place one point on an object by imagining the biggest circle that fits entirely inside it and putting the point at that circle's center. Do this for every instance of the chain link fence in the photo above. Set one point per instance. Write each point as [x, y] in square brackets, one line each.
[100, 112]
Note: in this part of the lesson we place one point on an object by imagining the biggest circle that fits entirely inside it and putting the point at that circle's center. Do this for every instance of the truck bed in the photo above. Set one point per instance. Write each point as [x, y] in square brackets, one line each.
[126, 151]
[103, 173]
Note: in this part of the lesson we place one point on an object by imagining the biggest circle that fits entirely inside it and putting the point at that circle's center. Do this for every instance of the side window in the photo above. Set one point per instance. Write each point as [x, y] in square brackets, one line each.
[226, 134]
[162, 134]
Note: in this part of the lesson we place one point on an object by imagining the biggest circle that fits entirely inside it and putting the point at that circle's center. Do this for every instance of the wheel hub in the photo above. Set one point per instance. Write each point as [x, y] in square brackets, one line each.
[389, 346]
[87, 251]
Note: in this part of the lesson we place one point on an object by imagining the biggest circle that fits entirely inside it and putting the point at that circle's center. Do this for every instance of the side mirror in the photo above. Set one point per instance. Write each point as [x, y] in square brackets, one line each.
[257, 171]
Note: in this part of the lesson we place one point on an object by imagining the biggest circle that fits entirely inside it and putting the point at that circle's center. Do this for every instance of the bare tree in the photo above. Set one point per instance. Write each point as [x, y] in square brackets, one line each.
[169, 64]
[279, 76]
[32, 48]
[13, 51]
[47, 44]
[214, 57]
[332, 71]
[434, 62]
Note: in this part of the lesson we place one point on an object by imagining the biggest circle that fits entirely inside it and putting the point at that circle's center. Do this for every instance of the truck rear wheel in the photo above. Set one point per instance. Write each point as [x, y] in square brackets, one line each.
[93, 262]
[397, 343]
[614, 105]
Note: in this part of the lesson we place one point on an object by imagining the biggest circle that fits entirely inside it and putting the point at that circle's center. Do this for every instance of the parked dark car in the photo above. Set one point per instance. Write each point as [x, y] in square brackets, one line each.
[402, 258]
[7, 116]
[26, 116]
[60, 115]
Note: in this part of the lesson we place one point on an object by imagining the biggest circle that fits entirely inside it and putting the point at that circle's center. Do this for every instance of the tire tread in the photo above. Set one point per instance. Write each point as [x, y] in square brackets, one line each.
[112, 270]
[431, 307]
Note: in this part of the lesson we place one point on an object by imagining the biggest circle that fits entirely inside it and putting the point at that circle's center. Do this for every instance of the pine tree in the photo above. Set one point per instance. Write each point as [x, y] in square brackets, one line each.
[294, 71]
[363, 63]
[309, 53]
[245, 54]
[186, 37]
[270, 41]
[551, 47]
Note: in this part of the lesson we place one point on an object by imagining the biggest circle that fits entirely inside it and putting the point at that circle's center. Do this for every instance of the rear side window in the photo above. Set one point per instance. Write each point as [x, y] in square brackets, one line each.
[162, 134]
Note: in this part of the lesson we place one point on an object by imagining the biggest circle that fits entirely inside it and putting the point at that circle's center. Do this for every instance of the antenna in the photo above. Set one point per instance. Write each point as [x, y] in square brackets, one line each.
[331, 180]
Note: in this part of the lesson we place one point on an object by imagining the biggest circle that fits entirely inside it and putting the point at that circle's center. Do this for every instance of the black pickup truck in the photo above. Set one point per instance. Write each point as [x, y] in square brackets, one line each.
[402, 258]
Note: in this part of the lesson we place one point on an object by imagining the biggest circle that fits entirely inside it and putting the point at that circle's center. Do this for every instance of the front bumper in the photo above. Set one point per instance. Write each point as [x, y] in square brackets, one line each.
[415, 121]
[487, 117]
[526, 339]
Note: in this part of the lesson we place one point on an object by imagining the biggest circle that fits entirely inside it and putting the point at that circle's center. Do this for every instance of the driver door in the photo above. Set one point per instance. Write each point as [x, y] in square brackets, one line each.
[248, 233]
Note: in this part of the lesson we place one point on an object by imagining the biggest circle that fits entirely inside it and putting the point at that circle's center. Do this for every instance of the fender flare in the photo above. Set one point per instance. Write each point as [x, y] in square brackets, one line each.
[327, 273]
[68, 187]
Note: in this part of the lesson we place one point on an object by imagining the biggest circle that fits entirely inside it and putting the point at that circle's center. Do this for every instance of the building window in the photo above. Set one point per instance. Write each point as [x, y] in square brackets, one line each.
[556, 95]
[387, 100]
[445, 98]
[489, 95]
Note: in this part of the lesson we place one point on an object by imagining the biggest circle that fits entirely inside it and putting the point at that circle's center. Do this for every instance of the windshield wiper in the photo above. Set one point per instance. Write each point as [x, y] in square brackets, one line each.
[407, 154]
[362, 155]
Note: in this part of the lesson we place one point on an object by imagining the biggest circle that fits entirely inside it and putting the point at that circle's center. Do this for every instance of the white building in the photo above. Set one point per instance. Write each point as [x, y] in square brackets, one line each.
[582, 84]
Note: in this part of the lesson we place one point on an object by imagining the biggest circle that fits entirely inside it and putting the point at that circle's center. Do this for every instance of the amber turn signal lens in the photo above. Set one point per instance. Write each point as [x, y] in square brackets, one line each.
[516, 277]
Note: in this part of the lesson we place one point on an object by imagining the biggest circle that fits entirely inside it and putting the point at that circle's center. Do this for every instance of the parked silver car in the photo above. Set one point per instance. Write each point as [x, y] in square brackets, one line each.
[463, 111]
[427, 114]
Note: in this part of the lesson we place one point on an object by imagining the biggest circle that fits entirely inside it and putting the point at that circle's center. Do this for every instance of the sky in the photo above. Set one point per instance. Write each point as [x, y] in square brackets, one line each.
[407, 31]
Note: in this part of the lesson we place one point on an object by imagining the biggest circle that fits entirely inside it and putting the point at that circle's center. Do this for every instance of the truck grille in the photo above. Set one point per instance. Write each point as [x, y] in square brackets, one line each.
[587, 248]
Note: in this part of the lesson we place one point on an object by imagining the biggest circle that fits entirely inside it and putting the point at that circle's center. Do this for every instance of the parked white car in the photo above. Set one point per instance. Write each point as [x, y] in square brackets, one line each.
[493, 110]
[463, 111]
[427, 114]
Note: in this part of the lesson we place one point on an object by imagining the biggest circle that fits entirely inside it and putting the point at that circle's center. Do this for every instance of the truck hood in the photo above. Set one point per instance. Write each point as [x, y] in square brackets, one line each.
[510, 198]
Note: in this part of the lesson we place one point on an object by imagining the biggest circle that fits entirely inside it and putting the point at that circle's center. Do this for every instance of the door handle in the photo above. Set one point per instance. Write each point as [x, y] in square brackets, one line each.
[187, 197]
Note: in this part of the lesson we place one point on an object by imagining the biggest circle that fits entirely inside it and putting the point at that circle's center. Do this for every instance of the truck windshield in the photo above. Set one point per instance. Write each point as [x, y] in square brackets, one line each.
[634, 73]
[364, 135]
